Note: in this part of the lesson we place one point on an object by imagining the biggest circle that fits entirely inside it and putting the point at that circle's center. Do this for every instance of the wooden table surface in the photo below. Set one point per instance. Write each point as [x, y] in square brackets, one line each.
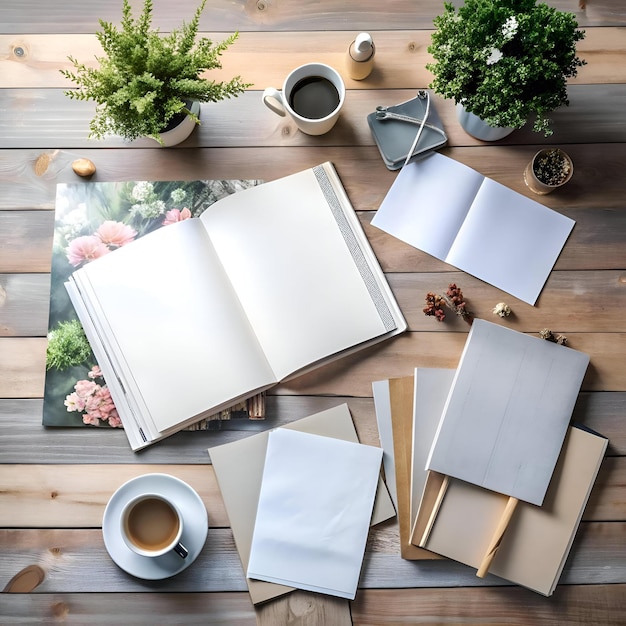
[54, 484]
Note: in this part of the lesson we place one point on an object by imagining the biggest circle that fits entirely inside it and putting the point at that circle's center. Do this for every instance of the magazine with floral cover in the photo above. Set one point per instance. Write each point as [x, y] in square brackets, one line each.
[94, 219]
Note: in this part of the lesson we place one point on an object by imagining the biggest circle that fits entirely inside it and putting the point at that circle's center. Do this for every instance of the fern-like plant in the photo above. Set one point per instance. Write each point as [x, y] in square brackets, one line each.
[147, 78]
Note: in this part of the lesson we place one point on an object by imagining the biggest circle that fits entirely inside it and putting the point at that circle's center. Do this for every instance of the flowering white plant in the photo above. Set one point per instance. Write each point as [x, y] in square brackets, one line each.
[505, 60]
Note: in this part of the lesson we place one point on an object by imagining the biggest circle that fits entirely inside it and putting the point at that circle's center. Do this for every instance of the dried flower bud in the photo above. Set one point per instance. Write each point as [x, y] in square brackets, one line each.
[547, 335]
[561, 340]
[434, 306]
[502, 309]
[453, 299]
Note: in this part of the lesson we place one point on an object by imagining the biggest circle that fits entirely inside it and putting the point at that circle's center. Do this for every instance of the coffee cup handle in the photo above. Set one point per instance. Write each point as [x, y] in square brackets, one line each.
[180, 549]
[273, 100]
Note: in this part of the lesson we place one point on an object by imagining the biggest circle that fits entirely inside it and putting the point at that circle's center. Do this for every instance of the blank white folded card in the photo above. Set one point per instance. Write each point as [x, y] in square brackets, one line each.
[507, 412]
[314, 512]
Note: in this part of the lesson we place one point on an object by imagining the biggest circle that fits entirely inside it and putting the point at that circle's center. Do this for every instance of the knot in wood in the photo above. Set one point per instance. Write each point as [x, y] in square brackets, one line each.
[261, 5]
[60, 609]
[412, 46]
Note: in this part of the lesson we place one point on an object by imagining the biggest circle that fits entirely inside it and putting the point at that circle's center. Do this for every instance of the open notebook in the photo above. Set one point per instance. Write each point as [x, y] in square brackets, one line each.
[266, 284]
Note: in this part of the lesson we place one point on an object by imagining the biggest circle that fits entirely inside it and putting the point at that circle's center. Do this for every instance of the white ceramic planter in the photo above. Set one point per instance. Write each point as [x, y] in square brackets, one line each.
[474, 126]
[179, 133]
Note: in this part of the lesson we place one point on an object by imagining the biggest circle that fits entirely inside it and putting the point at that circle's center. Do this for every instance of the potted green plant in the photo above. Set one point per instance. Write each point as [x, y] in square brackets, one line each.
[504, 61]
[549, 169]
[148, 81]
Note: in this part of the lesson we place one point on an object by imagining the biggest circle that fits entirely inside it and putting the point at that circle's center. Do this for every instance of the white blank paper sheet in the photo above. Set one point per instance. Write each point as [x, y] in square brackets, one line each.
[459, 216]
[314, 512]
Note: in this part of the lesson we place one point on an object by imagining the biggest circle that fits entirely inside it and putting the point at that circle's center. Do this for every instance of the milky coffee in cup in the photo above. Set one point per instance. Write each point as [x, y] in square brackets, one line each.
[152, 526]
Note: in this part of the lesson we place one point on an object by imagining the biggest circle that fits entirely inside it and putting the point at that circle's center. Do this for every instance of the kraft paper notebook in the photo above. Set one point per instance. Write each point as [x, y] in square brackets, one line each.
[238, 467]
[536, 545]
[265, 285]
[400, 394]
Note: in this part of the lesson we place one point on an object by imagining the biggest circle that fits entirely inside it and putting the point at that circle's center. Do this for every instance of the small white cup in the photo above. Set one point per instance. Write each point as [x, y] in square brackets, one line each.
[152, 526]
[324, 114]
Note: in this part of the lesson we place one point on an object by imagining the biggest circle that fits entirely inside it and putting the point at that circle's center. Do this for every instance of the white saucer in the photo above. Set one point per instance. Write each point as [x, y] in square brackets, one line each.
[195, 526]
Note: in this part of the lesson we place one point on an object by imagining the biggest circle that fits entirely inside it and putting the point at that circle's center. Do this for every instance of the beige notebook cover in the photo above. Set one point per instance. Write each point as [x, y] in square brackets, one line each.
[401, 393]
[538, 540]
[239, 466]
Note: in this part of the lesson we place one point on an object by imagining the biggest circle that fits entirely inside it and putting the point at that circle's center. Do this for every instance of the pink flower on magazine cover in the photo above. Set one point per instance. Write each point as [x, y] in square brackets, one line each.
[175, 215]
[115, 234]
[94, 401]
[84, 249]
[95, 372]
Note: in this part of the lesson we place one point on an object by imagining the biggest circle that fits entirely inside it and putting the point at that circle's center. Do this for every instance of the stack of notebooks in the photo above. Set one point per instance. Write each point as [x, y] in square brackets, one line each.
[300, 500]
[464, 447]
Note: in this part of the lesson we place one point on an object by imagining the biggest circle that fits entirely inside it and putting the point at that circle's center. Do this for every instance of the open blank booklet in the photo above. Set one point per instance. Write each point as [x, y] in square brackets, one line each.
[459, 216]
[266, 284]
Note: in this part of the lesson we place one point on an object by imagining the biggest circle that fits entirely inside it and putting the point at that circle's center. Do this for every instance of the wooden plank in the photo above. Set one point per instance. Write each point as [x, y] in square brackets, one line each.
[75, 496]
[33, 61]
[288, 15]
[77, 561]
[302, 607]
[598, 556]
[353, 374]
[67, 496]
[573, 605]
[217, 609]
[26, 241]
[596, 243]
[22, 359]
[568, 302]
[597, 183]
[594, 115]
[24, 300]
[22, 437]
[22, 365]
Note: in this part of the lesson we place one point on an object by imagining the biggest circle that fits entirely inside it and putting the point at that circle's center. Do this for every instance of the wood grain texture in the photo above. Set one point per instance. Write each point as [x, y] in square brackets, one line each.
[77, 561]
[594, 115]
[54, 483]
[197, 609]
[599, 186]
[400, 58]
[23, 437]
[512, 606]
[571, 300]
[66, 496]
[23, 362]
[39, 16]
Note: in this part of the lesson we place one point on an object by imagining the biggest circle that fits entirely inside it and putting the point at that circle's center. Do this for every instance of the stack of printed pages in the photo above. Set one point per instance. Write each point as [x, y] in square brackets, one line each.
[460, 445]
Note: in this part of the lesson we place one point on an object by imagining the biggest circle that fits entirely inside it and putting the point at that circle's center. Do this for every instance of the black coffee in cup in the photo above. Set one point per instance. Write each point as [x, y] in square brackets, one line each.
[314, 97]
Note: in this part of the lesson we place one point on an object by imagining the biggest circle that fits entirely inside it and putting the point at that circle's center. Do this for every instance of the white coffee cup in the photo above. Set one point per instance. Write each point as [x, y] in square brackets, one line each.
[312, 95]
[152, 526]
